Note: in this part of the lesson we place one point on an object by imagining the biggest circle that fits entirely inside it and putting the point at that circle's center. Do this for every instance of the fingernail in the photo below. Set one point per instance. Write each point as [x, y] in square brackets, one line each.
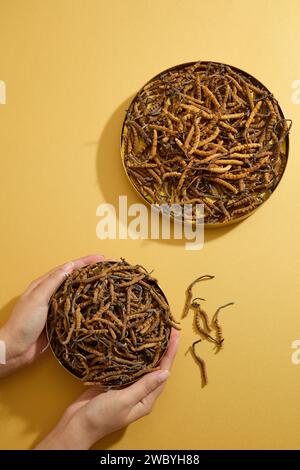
[67, 268]
[163, 375]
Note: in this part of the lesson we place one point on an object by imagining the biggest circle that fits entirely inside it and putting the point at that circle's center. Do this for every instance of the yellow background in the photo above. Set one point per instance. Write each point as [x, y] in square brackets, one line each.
[71, 68]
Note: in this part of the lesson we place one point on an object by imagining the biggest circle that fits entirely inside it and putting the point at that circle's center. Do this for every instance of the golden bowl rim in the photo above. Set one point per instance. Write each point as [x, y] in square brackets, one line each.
[286, 142]
[98, 384]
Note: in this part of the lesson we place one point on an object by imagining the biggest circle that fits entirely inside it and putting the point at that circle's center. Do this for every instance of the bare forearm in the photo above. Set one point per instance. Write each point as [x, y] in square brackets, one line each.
[67, 436]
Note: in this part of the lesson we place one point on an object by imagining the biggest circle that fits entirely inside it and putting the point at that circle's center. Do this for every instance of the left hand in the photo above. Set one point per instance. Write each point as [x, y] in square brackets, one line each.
[23, 333]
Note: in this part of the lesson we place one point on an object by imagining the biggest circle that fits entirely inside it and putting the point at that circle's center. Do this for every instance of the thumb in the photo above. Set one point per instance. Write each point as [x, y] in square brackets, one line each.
[143, 387]
[45, 289]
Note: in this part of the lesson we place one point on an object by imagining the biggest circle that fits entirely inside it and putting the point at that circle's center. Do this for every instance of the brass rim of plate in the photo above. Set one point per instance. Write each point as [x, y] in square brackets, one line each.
[285, 144]
[98, 384]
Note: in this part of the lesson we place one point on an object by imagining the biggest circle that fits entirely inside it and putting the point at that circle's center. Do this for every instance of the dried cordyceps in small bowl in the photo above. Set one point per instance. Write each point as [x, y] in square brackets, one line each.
[109, 323]
[205, 133]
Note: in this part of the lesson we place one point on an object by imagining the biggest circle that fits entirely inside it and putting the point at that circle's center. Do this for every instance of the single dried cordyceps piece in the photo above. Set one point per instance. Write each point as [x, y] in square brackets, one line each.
[205, 133]
[109, 323]
[201, 363]
[189, 292]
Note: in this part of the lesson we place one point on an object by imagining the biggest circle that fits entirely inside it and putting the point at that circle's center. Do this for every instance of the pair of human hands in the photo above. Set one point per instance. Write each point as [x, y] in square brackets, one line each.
[94, 414]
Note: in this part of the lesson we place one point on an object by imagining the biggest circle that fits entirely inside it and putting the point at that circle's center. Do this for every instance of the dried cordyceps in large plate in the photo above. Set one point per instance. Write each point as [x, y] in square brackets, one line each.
[109, 323]
[205, 133]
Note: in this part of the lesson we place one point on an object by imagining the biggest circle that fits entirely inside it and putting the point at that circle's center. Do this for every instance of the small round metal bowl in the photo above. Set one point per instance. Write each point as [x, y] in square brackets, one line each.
[149, 199]
[89, 330]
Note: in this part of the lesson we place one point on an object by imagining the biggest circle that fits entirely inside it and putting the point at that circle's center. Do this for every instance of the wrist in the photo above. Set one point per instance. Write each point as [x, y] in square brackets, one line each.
[84, 432]
[71, 435]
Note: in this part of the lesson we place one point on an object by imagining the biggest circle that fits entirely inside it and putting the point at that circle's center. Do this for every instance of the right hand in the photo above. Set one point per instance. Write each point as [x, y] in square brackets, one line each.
[95, 414]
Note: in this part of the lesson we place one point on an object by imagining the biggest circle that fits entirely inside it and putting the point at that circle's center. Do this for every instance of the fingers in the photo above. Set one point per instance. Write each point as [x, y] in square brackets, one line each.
[43, 291]
[166, 364]
[140, 397]
[147, 384]
[54, 277]
[167, 360]
[152, 384]
[143, 401]
[37, 281]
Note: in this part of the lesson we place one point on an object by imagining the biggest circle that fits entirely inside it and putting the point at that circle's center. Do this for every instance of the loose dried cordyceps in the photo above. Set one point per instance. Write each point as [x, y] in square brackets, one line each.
[205, 133]
[109, 323]
[204, 325]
